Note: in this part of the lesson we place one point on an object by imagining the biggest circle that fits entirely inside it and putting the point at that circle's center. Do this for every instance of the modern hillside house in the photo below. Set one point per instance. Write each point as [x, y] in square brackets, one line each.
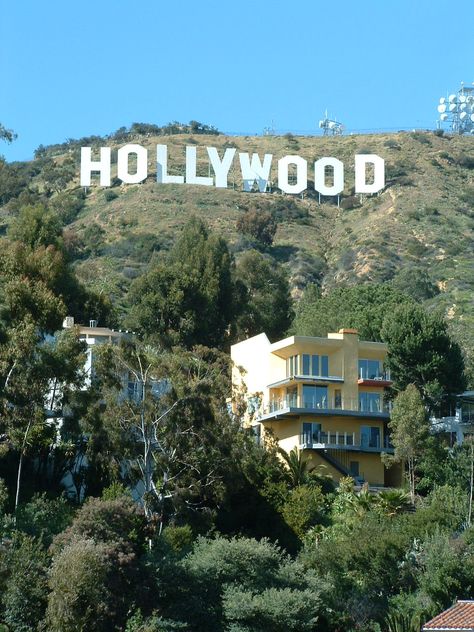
[93, 336]
[325, 396]
[459, 426]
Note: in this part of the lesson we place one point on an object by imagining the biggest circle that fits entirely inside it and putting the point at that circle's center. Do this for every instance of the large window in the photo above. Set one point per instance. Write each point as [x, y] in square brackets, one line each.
[370, 402]
[311, 433]
[292, 366]
[370, 369]
[467, 412]
[315, 396]
[370, 437]
[308, 364]
[292, 396]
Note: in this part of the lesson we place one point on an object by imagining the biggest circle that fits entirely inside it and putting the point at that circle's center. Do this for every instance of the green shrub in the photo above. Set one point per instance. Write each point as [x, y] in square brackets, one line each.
[392, 144]
[350, 202]
[110, 195]
[421, 137]
[25, 596]
[43, 517]
[467, 162]
[304, 509]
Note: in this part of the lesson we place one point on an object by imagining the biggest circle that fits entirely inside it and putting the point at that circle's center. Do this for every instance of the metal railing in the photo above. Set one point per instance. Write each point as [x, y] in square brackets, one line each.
[380, 375]
[344, 439]
[326, 403]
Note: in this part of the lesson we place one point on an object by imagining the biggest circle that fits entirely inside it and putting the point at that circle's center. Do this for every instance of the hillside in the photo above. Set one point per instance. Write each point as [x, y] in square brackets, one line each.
[424, 218]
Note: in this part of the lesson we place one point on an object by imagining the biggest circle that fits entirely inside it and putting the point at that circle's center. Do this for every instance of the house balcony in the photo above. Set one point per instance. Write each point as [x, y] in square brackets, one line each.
[293, 406]
[344, 440]
[308, 379]
[375, 379]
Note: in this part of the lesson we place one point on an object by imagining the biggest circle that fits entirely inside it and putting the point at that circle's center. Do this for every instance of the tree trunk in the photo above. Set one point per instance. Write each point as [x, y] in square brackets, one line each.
[471, 485]
[411, 478]
[20, 466]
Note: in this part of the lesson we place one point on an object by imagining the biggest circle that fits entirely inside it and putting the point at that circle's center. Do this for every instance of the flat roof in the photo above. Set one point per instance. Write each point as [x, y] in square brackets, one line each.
[284, 348]
[99, 331]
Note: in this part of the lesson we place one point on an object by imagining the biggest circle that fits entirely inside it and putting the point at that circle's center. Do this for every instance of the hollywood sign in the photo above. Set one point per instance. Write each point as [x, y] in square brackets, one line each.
[292, 171]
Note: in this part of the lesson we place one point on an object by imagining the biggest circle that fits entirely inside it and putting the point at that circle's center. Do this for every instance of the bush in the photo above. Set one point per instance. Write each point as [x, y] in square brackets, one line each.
[304, 509]
[467, 162]
[350, 202]
[116, 520]
[286, 209]
[392, 144]
[259, 225]
[272, 610]
[25, 596]
[421, 137]
[93, 238]
[467, 196]
[246, 583]
[80, 597]
[110, 195]
[67, 205]
[43, 517]
[416, 283]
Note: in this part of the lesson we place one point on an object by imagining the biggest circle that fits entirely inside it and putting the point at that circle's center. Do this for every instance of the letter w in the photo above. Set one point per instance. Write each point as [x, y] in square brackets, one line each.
[253, 170]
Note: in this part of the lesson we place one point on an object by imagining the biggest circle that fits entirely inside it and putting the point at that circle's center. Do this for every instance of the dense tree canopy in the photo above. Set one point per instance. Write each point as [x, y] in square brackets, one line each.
[266, 300]
[188, 298]
[421, 352]
[363, 307]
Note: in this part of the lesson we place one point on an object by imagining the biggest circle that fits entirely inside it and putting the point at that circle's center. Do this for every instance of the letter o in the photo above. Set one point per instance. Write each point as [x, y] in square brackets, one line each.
[142, 164]
[320, 176]
[301, 174]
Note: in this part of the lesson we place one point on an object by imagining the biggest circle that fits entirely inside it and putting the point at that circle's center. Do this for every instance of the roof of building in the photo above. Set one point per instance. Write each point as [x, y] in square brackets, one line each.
[458, 617]
[99, 331]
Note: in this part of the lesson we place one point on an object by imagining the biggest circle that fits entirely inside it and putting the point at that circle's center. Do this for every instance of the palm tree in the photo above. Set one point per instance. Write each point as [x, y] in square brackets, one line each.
[393, 501]
[403, 623]
[298, 466]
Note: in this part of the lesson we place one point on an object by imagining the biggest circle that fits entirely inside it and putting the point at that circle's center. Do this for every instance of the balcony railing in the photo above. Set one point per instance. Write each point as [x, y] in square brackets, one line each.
[326, 403]
[382, 376]
[466, 415]
[344, 440]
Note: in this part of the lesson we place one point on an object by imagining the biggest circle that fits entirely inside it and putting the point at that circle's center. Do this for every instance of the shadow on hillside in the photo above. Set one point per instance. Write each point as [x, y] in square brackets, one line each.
[283, 253]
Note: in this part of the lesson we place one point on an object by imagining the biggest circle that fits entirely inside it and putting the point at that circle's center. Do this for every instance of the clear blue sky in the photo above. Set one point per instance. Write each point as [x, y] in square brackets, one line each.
[75, 68]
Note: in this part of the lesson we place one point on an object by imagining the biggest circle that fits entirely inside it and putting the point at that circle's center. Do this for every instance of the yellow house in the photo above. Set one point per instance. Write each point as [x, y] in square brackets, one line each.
[321, 395]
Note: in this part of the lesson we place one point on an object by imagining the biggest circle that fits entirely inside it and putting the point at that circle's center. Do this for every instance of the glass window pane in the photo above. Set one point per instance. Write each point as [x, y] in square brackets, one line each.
[362, 369]
[314, 396]
[374, 437]
[296, 365]
[306, 369]
[291, 366]
[324, 365]
[307, 430]
[374, 402]
[315, 363]
[373, 369]
[316, 432]
[354, 468]
[292, 396]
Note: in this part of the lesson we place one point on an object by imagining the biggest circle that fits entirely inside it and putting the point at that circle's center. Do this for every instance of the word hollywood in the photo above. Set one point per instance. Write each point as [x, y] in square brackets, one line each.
[252, 168]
